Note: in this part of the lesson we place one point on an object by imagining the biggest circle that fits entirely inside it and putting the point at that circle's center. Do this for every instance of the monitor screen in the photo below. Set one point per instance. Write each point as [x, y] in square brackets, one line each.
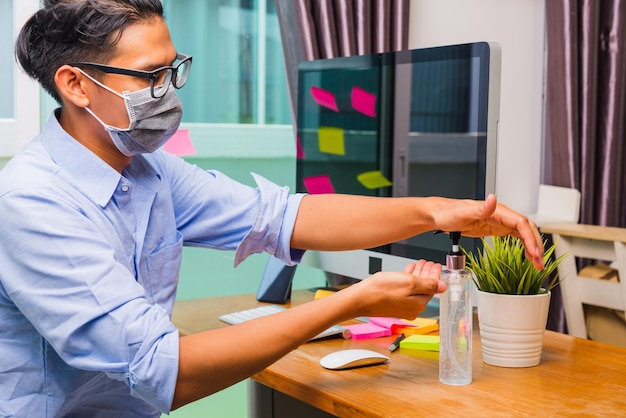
[410, 123]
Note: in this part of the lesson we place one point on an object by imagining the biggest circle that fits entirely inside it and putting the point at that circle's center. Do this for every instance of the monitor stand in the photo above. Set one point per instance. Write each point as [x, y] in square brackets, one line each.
[275, 284]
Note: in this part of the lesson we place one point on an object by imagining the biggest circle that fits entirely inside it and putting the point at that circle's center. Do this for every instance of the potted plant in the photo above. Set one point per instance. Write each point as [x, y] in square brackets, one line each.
[513, 300]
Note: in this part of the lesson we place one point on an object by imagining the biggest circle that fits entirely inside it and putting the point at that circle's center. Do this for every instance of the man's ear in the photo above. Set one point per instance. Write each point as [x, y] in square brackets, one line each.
[72, 85]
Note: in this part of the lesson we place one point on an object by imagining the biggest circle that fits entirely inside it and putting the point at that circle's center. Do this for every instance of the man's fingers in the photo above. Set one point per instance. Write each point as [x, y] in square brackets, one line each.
[428, 270]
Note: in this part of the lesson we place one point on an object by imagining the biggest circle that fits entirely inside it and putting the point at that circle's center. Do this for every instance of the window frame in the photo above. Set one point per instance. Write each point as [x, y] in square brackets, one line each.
[15, 132]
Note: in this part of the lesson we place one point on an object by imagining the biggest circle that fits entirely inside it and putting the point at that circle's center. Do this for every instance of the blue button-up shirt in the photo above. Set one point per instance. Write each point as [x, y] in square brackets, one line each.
[89, 263]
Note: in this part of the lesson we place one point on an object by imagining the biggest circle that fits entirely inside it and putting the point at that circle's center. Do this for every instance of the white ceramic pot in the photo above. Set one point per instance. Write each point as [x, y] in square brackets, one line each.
[512, 328]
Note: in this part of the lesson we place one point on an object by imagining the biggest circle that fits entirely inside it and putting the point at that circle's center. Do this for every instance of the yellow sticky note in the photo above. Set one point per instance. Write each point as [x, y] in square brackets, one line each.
[373, 179]
[331, 140]
[322, 293]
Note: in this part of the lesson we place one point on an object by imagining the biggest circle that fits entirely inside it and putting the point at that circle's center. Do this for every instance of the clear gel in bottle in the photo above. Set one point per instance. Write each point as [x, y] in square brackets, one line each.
[455, 320]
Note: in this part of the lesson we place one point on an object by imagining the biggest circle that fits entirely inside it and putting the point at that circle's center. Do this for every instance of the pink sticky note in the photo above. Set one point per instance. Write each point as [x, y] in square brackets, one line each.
[324, 98]
[391, 323]
[367, 330]
[364, 101]
[318, 184]
[299, 150]
[180, 144]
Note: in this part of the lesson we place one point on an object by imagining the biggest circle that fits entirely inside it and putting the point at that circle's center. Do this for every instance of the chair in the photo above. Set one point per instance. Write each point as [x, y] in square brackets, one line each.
[556, 204]
[592, 242]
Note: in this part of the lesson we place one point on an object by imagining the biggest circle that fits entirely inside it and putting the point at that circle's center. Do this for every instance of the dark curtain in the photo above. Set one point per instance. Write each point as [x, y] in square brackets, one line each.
[317, 29]
[586, 112]
[586, 109]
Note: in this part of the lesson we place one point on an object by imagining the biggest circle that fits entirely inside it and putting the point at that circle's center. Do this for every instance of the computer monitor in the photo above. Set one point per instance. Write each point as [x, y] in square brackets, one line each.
[410, 123]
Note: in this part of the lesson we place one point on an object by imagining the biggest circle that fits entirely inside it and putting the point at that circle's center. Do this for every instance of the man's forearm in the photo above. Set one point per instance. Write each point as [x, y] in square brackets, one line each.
[335, 222]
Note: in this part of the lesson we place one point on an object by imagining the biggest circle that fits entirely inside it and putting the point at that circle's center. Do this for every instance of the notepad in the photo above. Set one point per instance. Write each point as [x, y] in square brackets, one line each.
[399, 326]
[420, 326]
[367, 330]
[421, 342]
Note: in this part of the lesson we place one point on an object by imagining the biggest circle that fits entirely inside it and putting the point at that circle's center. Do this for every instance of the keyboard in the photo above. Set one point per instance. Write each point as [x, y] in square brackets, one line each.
[234, 318]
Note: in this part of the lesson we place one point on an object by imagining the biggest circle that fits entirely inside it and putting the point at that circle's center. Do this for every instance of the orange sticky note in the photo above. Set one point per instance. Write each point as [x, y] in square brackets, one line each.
[180, 144]
[373, 179]
[364, 101]
[331, 140]
[324, 98]
[399, 326]
[419, 326]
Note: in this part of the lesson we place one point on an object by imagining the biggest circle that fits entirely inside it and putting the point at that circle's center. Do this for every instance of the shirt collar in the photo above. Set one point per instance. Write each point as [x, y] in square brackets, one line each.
[91, 175]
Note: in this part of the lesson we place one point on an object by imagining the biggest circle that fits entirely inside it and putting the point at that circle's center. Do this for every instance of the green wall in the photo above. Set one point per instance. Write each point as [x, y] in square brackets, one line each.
[207, 273]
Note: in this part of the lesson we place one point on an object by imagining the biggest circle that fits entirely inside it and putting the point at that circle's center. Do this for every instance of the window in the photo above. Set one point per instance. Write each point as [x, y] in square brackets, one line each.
[236, 102]
[238, 74]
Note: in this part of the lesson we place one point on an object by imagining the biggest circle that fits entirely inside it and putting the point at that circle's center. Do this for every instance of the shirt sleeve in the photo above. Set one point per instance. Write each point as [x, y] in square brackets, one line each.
[62, 275]
[215, 211]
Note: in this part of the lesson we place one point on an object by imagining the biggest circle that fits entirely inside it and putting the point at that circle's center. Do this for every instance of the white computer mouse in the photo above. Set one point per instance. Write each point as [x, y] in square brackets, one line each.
[354, 357]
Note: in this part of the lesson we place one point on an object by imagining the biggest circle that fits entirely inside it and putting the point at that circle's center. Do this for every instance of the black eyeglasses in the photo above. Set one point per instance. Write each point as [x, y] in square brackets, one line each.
[160, 79]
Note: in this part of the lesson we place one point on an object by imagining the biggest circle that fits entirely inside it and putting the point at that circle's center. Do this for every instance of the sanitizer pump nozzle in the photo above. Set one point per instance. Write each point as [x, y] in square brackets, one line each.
[455, 262]
[455, 319]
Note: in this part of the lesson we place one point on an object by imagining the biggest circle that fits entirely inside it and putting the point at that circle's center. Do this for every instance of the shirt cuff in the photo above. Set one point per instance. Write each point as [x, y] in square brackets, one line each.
[274, 224]
[153, 368]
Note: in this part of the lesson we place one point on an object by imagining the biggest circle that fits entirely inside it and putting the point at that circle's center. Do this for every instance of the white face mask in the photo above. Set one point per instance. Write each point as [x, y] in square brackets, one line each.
[152, 121]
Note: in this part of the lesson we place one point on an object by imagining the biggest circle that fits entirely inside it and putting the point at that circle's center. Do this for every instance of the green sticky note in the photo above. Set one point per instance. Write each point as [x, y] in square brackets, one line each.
[461, 344]
[373, 179]
[421, 342]
[331, 140]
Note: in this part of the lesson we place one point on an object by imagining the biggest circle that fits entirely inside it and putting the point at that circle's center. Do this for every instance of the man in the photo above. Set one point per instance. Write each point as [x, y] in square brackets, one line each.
[95, 217]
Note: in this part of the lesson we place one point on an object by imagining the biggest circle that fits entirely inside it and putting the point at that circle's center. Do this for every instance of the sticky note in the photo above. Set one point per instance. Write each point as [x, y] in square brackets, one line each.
[322, 293]
[180, 144]
[324, 98]
[364, 101]
[318, 184]
[419, 326]
[299, 150]
[331, 140]
[399, 326]
[391, 323]
[373, 179]
[421, 342]
[461, 344]
[367, 330]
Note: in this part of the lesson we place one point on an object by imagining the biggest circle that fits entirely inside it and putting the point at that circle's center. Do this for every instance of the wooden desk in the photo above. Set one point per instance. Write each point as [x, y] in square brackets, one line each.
[576, 377]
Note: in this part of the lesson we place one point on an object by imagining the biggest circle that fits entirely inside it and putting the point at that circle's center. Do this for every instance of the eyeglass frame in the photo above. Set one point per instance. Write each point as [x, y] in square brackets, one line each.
[147, 75]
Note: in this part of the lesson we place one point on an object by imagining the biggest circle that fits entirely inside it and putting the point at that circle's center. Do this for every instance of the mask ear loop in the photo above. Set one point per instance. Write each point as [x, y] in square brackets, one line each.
[129, 109]
[99, 83]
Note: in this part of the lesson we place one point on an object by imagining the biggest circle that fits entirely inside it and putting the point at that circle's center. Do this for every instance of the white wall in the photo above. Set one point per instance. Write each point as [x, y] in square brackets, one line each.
[518, 26]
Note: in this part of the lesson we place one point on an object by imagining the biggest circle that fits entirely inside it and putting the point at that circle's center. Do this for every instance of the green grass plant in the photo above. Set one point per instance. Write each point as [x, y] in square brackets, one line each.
[502, 268]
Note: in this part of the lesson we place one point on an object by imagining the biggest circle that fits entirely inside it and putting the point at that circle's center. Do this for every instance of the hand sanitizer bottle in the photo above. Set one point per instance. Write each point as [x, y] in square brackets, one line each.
[455, 320]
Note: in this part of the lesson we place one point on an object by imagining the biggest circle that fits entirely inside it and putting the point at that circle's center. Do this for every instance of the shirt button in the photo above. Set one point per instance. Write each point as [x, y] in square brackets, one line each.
[125, 187]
